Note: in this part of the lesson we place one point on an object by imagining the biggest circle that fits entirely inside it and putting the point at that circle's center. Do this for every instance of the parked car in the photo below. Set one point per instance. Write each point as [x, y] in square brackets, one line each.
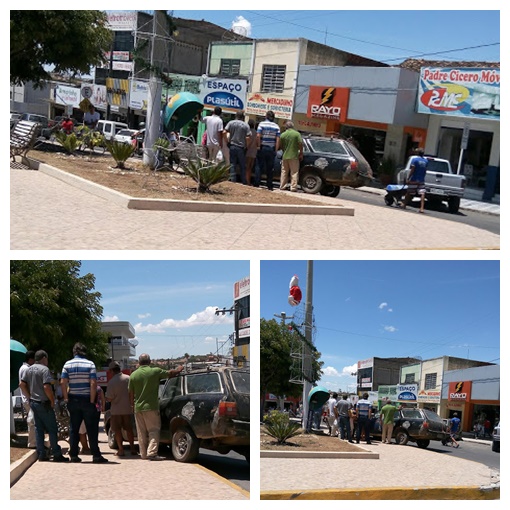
[441, 183]
[109, 128]
[125, 136]
[42, 120]
[416, 425]
[206, 408]
[495, 438]
[327, 164]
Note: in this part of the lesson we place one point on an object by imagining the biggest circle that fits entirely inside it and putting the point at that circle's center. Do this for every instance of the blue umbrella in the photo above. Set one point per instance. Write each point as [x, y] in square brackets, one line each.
[18, 351]
[181, 108]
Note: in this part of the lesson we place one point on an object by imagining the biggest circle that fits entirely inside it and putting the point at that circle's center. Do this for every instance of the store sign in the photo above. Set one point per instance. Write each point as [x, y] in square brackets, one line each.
[464, 92]
[367, 363]
[244, 333]
[407, 392]
[230, 95]
[259, 104]
[138, 95]
[432, 396]
[459, 391]
[99, 97]
[121, 20]
[244, 323]
[311, 126]
[66, 95]
[328, 103]
[118, 92]
[242, 288]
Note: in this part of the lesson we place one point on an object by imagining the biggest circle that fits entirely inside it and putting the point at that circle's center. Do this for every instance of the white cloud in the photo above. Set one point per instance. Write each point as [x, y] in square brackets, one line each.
[331, 371]
[110, 318]
[382, 306]
[390, 329]
[350, 370]
[204, 318]
[143, 315]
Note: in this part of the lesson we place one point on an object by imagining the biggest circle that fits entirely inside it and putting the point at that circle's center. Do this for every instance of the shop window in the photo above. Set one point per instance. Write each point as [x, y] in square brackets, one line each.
[409, 379]
[430, 381]
[273, 78]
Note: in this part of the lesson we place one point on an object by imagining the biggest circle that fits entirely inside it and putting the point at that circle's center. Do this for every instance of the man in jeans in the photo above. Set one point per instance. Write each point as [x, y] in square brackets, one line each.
[268, 143]
[344, 424]
[79, 389]
[364, 411]
[240, 133]
[144, 397]
[36, 386]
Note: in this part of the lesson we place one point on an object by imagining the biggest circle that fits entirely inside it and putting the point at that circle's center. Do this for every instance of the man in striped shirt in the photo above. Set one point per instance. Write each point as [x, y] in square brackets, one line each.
[364, 410]
[268, 143]
[79, 389]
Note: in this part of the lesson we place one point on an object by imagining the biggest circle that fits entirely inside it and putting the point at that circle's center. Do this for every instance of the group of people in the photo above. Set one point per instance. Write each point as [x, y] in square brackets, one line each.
[254, 148]
[128, 394]
[345, 418]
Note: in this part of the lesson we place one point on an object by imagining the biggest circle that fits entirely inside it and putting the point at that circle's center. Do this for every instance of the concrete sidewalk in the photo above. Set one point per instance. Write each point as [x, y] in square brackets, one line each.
[400, 472]
[48, 213]
[123, 478]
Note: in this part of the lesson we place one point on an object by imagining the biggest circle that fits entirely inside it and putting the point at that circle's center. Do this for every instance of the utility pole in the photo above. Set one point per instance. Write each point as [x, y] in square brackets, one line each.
[283, 317]
[307, 360]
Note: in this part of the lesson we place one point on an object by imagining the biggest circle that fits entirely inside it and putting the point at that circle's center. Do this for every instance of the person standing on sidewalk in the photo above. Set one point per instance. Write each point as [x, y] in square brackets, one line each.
[240, 134]
[214, 130]
[292, 145]
[36, 385]
[143, 395]
[344, 423]
[117, 394]
[333, 429]
[79, 389]
[268, 143]
[387, 414]
[364, 411]
[29, 361]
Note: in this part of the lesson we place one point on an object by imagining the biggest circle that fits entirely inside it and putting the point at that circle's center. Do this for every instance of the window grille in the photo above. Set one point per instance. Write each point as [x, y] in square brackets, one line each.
[273, 78]
[430, 381]
[230, 67]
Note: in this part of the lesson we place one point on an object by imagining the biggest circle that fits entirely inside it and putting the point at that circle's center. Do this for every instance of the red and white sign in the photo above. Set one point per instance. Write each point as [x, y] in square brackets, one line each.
[328, 103]
[259, 104]
[122, 20]
[242, 288]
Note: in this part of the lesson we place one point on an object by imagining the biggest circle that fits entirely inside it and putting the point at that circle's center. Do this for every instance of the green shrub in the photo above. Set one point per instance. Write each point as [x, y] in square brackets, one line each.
[69, 142]
[279, 426]
[206, 174]
[119, 151]
[90, 139]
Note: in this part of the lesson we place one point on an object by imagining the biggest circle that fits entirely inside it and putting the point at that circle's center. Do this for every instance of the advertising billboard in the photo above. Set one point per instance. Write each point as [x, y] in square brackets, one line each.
[407, 392]
[259, 104]
[464, 92]
[459, 391]
[230, 95]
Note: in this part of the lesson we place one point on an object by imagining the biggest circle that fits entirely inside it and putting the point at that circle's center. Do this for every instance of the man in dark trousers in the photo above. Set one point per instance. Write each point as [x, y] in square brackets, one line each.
[416, 179]
[364, 411]
[36, 386]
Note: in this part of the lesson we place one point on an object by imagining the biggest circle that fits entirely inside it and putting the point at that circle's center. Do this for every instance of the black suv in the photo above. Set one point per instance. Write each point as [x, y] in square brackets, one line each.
[327, 164]
[415, 425]
[206, 408]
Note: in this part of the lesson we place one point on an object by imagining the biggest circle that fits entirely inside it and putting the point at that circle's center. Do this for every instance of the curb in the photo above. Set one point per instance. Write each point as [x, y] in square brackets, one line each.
[274, 454]
[395, 493]
[19, 467]
[155, 204]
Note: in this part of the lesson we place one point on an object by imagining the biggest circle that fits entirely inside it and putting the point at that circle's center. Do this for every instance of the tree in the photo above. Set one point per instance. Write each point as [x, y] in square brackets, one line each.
[71, 41]
[275, 361]
[53, 307]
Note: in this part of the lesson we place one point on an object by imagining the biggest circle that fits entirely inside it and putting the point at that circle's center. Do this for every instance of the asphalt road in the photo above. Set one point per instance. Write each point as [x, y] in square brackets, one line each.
[488, 222]
[232, 466]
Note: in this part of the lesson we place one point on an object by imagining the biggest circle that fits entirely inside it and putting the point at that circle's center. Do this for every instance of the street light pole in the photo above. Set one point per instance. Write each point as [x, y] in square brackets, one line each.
[307, 361]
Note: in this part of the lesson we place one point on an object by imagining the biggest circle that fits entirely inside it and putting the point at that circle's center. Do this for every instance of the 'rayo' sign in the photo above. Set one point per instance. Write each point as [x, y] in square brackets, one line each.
[407, 392]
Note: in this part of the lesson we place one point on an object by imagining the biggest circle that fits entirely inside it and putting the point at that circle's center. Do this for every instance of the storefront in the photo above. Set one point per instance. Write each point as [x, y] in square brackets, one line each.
[472, 393]
[463, 105]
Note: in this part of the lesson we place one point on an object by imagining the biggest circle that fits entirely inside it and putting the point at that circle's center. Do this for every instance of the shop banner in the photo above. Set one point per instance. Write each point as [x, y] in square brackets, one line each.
[242, 288]
[118, 92]
[69, 96]
[230, 95]
[138, 95]
[99, 97]
[259, 104]
[121, 20]
[459, 391]
[328, 103]
[464, 92]
[407, 392]
[429, 396]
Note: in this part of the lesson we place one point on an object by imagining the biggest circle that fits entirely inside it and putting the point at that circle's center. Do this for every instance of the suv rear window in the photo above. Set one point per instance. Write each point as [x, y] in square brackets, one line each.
[203, 383]
[241, 381]
[411, 414]
[328, 146]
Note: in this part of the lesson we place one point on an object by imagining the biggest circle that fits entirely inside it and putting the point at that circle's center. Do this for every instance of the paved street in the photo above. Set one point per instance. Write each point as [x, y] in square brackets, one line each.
[49, 214]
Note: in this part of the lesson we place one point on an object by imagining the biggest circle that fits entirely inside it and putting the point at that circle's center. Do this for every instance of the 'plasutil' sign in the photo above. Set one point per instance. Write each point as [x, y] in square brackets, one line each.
[407, 392]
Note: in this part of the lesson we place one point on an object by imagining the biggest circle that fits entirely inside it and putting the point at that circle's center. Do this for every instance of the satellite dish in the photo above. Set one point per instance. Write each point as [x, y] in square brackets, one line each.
[228, 35]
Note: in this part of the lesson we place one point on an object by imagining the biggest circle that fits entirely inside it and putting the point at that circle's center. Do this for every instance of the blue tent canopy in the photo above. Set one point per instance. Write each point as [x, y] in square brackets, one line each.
[181, 108]
[18, 351]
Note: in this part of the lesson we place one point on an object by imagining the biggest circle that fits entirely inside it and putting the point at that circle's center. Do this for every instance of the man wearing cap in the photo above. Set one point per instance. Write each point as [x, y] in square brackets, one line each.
[144, 397]
[29, 361]
[36, 385]
[268, 143]
[117, 394]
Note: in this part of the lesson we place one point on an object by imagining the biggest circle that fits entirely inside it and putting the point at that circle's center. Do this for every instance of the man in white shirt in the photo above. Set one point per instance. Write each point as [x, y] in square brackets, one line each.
[91, 118]
[214, 126]
[29, 361]
[333, 429]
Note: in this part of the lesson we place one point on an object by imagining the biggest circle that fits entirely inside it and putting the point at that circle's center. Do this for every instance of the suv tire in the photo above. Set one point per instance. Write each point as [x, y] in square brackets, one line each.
[185, 445]
[423, 443]
[401, 437]
[453, 205]
[311, 182]
[328, 190]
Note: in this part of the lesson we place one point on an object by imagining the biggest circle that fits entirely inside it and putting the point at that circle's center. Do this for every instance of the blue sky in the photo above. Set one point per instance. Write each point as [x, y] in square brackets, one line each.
[368, 308]
[383, 35]
[171, 304]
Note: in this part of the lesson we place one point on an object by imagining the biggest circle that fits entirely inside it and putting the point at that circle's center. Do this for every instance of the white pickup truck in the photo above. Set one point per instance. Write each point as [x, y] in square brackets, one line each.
[441, 183]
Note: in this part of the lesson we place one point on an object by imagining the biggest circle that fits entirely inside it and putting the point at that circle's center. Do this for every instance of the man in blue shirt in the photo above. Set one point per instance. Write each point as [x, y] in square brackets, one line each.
[454, 428]
[416, 179]
[364, 410]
